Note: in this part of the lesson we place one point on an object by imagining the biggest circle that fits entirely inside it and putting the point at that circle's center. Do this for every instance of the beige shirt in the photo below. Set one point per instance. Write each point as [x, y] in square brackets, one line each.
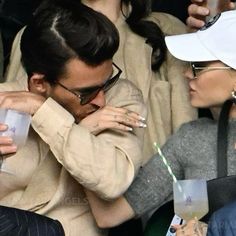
[165, 92]
[60, 158]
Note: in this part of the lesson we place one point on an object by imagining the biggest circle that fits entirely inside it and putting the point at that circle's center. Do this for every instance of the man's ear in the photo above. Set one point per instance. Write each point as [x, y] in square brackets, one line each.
[38, 84]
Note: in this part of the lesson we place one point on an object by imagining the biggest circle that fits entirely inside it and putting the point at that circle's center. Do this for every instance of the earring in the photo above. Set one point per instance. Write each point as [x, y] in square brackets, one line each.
[233, 94]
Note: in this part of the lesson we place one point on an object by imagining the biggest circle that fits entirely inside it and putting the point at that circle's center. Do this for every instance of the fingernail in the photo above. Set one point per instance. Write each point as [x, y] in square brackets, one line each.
[142, 118]
[13, 148]
[9, 140]
[206, 11]
[129, 128]
[141, 124]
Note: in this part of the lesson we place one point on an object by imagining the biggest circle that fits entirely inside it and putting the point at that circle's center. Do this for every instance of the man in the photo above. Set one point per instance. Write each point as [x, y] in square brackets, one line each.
[83, 132]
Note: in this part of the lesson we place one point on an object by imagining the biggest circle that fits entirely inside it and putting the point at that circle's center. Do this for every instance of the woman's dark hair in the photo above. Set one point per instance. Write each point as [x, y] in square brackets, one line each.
[63, 30]
[147, 29]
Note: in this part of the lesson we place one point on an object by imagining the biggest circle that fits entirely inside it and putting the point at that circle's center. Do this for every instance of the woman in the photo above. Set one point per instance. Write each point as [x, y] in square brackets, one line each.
[191, 151]
[143, 59]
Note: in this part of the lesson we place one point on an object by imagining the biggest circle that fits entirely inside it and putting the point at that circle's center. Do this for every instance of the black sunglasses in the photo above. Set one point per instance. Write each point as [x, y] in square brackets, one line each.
[88, 94]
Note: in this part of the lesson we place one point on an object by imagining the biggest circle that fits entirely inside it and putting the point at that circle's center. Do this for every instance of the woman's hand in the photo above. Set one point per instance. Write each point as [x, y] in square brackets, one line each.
[198, 13]
[6, 143]
[192, 228]
[110, 117]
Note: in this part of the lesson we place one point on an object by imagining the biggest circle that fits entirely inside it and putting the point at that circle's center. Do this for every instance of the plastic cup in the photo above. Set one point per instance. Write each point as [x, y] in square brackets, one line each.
[215, 7]
[190, 198]
[18, 125]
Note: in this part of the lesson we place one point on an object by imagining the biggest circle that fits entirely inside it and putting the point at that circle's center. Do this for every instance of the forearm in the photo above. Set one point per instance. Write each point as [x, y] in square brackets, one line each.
[152, 186]
[109, 213]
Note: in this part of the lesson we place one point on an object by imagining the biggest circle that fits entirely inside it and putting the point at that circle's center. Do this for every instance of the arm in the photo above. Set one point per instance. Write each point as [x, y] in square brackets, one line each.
[102, 210]
[150, 189]
[105, 163]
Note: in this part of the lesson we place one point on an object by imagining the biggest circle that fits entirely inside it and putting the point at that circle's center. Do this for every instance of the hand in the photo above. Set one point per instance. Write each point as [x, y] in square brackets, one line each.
[198, 13]
[21, 101]
[193, 228]
[6, 143]
[110, 117]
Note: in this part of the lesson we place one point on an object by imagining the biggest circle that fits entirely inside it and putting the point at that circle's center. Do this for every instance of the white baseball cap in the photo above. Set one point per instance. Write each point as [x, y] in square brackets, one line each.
[214, 41]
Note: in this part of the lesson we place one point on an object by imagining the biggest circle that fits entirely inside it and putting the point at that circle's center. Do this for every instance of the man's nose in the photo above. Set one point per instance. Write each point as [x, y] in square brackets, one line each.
[100, 99]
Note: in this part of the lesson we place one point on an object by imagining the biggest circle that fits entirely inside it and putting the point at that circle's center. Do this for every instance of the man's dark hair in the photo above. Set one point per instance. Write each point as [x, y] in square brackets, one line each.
[63, 30]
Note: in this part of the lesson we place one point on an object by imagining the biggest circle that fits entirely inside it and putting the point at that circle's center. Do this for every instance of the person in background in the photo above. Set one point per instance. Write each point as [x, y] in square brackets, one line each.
[222, 222]
[191, 151]
[144, 61]
[85, 120]
[25, 223]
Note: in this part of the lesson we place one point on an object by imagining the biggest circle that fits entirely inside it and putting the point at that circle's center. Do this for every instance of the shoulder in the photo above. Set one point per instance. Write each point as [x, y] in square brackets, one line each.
[189, 132]
[125, 89]
[192, 134]
[196, 127]
[169, 24]
[12, 86]
[125, 94]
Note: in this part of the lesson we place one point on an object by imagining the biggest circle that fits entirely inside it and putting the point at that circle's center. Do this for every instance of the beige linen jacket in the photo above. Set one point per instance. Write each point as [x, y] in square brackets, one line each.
[70, 158]
[165, 92]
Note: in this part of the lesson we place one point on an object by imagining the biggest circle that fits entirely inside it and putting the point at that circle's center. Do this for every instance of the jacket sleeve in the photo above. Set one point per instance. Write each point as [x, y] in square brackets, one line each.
[153, 185]
[105, 163]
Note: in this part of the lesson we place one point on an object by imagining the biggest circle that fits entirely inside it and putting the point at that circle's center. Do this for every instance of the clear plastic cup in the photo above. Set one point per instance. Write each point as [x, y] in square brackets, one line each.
[190, 198]
[215, 7]
[18, 125]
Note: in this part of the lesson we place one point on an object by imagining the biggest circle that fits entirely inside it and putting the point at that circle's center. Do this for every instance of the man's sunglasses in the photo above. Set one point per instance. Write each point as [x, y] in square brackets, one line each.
[88, 94]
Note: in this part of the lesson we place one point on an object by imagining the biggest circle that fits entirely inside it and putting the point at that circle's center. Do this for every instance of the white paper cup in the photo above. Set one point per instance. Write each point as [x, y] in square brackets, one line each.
[18, 125]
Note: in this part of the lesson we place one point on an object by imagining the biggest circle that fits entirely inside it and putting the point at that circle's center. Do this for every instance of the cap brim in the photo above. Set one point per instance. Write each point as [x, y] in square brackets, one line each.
[187, 47]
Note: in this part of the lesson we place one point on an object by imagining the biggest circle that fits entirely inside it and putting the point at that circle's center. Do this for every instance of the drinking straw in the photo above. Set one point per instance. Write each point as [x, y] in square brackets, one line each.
[157, 148]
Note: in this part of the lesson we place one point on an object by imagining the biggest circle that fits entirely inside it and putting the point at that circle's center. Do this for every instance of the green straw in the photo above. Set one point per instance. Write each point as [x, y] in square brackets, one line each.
[157, 148]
